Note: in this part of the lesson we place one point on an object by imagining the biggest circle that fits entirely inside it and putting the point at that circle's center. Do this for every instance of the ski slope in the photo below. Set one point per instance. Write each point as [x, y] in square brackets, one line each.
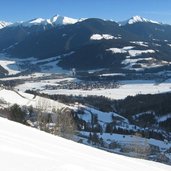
[28, 149]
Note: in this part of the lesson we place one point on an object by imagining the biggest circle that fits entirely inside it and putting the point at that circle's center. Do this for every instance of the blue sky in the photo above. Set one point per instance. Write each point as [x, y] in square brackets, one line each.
[118, 10]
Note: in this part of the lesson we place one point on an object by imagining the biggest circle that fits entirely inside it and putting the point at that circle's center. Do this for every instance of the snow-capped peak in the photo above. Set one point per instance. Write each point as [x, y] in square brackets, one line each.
[36, 21]
[137, 19]
[4, 24]
[55, 20]
[60, 20]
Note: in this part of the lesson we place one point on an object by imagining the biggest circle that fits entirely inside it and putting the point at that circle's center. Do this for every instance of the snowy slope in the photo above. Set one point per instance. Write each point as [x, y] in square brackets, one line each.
[55, 20]
[12, 97]
[137, 19]
[37, 21]
[60, 20]
[24, 148]
[4, 24]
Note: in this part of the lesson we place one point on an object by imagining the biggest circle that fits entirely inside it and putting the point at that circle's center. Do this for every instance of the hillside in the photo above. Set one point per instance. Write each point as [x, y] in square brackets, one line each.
[129, 128]
[138, 45]
[24, 148]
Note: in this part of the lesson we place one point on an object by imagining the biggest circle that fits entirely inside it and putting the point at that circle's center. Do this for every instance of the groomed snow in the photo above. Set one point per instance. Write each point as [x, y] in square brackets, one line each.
[24, 148]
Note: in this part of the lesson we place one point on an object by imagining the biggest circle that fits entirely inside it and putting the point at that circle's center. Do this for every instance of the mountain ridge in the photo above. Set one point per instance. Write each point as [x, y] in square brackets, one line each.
[93, 41]
[136, 19]
[64, 20]
[4, 24]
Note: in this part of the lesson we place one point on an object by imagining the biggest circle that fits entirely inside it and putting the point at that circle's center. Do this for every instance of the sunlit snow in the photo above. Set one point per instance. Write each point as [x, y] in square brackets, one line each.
[24, 148]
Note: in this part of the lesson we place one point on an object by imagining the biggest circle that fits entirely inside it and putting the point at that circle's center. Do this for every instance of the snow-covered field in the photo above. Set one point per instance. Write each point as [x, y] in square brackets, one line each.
[132, 140]
[24, 148]
[145, 44]
[14, 65]
[132, 53]
[9, 64]
[127, 88]
[103, 36]
[12, 97]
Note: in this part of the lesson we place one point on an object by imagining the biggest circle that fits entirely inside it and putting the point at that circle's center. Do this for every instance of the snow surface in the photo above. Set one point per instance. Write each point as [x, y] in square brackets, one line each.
[145, 44]
[131, 139]
[120, 50]
[137, 19]
[128, 47]
[12, 97]
[133, 61]
[112, 74]
[55, 20]
[100, 37]
[134, 53]
[10, 66]
[60, 20]
[37, 21]
[49, 65]
[103, 117]
[25, 148]
[126, 88]
[116, 50]
[104, 36]
[130, 50]
[164, 118]
[4, 24]
[150, 63]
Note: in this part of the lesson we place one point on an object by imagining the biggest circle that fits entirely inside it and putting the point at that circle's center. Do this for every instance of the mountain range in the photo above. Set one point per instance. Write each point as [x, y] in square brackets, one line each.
[136, 44]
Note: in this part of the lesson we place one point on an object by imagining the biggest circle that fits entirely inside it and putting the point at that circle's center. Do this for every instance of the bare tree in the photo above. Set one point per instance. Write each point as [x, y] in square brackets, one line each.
[42, 115]
[65, 124]
[141, 147]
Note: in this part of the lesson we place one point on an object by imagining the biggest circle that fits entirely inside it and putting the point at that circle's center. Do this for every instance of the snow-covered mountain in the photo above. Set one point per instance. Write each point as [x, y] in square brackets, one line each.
[29, 149]
[63, 20]
[54, 21]
[147, 42]
[36, 21]
[137, 19]
[60, 20]
[4, 24]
